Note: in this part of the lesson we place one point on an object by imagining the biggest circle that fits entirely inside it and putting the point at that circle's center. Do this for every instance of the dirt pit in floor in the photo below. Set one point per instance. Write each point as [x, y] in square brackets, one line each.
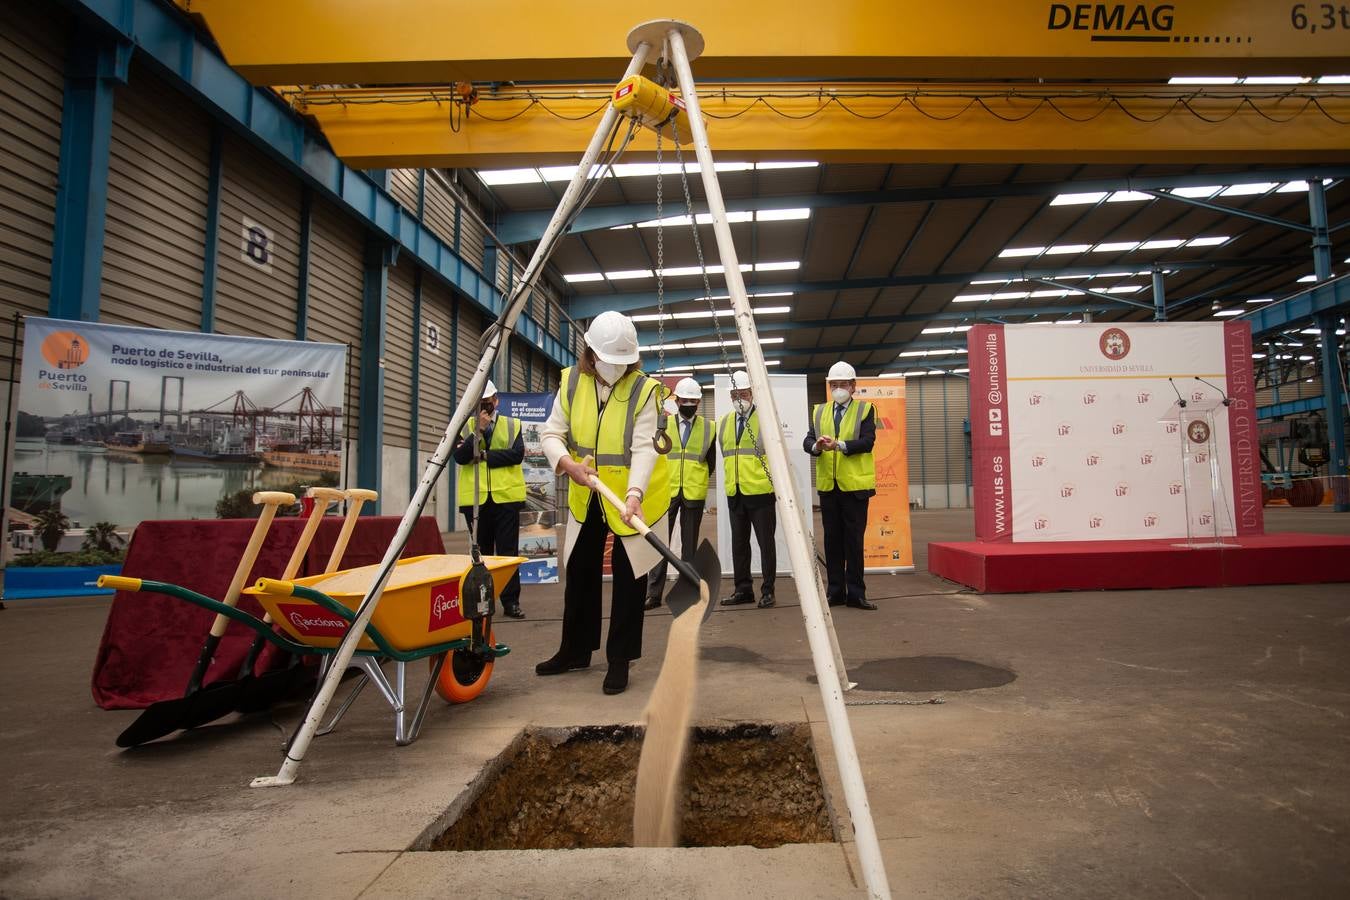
[567, 788]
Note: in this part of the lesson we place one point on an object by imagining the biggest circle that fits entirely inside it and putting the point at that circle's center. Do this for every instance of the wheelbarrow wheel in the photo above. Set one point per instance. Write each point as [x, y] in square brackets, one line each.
[464, 675]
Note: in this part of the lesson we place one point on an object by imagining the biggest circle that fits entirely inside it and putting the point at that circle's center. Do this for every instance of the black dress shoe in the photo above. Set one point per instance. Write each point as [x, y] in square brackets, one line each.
[652, 603]
[861, 604]
[513, 611]
[563, 662]
[738, 599]
[766, 602]
[616, 679]
[835, 601]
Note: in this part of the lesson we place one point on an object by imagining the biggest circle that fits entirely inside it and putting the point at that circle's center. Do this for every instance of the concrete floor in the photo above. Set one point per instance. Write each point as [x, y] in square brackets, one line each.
[1165, 743]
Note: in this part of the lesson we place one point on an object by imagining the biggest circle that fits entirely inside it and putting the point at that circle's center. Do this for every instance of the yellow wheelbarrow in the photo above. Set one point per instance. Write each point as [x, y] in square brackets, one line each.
[420, 616]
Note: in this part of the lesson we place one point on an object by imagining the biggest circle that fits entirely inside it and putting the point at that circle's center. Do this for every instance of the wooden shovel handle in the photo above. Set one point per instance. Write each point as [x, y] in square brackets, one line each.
[269, 500]
[357, 498]
[608, 493]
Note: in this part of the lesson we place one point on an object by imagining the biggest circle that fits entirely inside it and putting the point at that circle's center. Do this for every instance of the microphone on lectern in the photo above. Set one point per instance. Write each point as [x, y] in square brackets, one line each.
[1181, 401]
[1226, 401]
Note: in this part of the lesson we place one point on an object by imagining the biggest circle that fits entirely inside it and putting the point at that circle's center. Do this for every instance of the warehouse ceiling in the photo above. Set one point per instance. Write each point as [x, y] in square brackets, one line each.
[891, 282]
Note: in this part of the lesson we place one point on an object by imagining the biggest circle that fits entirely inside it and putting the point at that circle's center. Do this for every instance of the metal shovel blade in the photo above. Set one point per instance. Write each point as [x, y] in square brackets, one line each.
[167, 716]
[685, 593]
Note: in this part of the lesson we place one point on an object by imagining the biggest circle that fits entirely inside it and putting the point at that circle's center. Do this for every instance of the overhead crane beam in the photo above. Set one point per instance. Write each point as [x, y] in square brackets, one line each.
[430, 41]
[847, 122]
[528, 225]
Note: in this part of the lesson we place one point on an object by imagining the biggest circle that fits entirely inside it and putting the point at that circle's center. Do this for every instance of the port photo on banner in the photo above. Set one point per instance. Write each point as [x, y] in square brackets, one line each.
[1075, 432]
[145, 423]
[888, 545]
[539, 517]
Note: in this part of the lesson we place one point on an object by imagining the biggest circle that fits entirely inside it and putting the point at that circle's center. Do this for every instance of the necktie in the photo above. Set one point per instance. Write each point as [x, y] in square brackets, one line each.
[740, 427]
[838, 417]
[684, 432]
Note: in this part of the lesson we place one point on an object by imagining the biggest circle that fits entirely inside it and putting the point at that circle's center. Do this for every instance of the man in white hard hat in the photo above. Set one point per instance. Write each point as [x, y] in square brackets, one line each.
[490, 453]
[841, 436]
[750, 496]
[690, 459]
[606, 411]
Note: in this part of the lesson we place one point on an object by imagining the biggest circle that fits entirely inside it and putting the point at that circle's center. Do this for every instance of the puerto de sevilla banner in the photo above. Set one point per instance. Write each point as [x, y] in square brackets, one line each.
[888, 544]
[539, 517]
[1072, 438]
[145, 423]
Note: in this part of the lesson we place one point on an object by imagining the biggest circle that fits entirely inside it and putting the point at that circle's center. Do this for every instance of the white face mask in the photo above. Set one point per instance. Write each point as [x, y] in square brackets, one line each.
[610, 372]
[840, 395]
[742, 406]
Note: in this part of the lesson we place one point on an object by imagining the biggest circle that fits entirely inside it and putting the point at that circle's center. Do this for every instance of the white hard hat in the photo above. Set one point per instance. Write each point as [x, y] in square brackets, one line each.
[489, 390]
[841, 371]
[613, 338]
[688, 389]
[740, 381]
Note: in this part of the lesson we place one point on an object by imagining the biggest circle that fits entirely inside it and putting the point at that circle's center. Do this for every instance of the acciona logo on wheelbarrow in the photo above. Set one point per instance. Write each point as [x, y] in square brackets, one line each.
[445, 609]
[312, 621]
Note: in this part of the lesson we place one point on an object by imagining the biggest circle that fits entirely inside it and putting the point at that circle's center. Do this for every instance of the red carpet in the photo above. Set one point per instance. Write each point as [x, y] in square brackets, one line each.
[1007, 568]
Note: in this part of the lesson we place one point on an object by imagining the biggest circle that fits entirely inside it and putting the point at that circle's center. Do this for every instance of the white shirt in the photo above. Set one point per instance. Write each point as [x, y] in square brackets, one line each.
[554, 438]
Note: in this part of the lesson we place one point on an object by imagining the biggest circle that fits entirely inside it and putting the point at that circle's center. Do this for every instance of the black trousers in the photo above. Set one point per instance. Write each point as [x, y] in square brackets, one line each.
[499, 535]
[761, 514]
[691, 517]
[844, 519]
[581, 596]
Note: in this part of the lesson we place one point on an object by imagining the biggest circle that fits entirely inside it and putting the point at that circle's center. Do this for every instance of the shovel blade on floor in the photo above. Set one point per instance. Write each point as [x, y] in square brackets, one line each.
[685, 593]
[167, 716]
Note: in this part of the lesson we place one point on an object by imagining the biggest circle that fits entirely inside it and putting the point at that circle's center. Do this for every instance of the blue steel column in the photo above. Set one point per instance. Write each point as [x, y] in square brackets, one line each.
[1338, 464]
[95, 65]
[414, 470]
[212, 248]
[370, 419]
[302, 290]
[1159, 297]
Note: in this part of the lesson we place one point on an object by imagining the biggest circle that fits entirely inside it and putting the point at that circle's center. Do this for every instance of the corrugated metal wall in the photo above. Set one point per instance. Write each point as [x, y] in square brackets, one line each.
[256, 298]
[439, 215]
[435, 381]
[403, 185]
[32, 60]
[156, 226]
[336, 277]
[398, 355]
[470, 336]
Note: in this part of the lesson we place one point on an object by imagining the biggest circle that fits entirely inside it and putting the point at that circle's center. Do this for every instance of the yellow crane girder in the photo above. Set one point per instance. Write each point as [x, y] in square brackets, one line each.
[433, 41]
[852, 122]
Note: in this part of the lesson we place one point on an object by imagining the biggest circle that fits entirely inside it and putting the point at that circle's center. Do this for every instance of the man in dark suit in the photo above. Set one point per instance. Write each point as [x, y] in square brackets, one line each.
[841, 436]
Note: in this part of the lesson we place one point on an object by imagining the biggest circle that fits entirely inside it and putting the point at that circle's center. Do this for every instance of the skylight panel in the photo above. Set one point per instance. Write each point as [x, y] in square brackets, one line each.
[1225, 313]
[786, 165]
[1126, 196]
[1166, 244]
[1077, 199]
[495, 177]
[1062, 249]
[578, 277]
[1020, 251]
[1115, 246]
[946, 329]
[1203, 192]
[1202, 79]
[1276, 79]
[1244, 190]
[1210, 241]
[784, 266]
[782, 215]
[628, 274]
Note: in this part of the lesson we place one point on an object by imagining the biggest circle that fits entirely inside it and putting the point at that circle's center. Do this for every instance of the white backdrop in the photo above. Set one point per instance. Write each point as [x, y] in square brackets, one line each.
[789, 392]
[1066, 426]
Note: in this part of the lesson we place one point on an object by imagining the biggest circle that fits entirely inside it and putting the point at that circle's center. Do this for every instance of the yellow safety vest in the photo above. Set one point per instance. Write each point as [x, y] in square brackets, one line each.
[857, 472]
[743, 461]
[504, 484]
[690, 476]
[607, 435]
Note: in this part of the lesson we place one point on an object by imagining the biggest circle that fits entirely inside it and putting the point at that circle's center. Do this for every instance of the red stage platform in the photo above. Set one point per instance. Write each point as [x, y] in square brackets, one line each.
[1008, 568]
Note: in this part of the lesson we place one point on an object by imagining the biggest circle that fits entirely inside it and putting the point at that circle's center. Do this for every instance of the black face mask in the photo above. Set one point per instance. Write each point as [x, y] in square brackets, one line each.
[689, 411]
